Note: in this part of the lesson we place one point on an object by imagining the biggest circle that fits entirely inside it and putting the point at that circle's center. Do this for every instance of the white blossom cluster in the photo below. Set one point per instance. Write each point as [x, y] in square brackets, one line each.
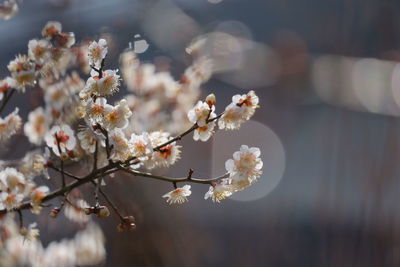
[78, 125]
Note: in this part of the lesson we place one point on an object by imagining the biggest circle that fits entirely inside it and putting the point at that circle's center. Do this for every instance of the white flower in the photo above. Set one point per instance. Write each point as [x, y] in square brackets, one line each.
[166, 155]
[179, 195]
[37, 126]
[95, 110]
[10, 125]
[241, 109]
[88, 138]
[200, 113]
[204, 133]
[57, 95]
[232, 117]
[245, 167]
[22, 71]
[89, 246]
[248, 101]
[60, 136]
[117, 117]
[51, 29]
[97, 52]
[39, 50]
[121, 149]
[31, 233]
[76, 211]
[11, 199]
[11, 179]
[5, 85]
[141, 145]
[38, 194]
[220, 191]
[8, 9]
[106, 85]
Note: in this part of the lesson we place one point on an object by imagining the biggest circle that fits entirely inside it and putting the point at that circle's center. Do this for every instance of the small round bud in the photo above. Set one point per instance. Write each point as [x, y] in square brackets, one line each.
[103, 212]
[23, 231]
[54, 212]
[127, 224]
[211, 100]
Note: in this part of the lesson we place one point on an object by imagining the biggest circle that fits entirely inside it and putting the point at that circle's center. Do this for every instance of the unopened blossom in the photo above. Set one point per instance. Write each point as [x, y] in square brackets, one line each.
[179, 195]
[106, 85]
[38, 194]
[11, 179]
[211, 100]
[248, 101]
[22, 71]
[76, 211]
[200, 113]
[166, 155]
[117, 117]
[51, 29]
[5, 85]
[39, 50]
[141, 145]
[121, 148]
[220, 191]
[8, 9]
[60, 137]
[245, 167]
[10, 125]
[97, 51]
[36, 126]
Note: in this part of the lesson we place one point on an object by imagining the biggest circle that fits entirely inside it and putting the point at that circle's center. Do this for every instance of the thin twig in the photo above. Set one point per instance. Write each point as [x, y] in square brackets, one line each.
[6, 98]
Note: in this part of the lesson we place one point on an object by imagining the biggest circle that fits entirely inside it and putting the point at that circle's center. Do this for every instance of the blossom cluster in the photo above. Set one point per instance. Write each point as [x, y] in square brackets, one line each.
[79, 126]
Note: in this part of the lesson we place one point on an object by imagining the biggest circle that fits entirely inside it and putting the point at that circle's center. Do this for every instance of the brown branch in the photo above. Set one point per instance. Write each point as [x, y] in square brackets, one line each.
[175, 180]
[6, 98]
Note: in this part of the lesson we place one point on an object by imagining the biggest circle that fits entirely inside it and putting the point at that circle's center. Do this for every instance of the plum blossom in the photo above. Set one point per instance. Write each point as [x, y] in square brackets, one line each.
[220, 191]
[37, 126]
[121, 148]
[75, 211]
[22, 71]
[60, 137]
[95, 110]
[179, 195]
[8, 9]
[38, 194]
[51, 29]
[117, 117]
[39, 50]
[141, 145]
[166, 155]
[200, 113]
[10, 125]
[240, 110]
[97, 52]
[88, 138]
[245, 167]
[106, 85]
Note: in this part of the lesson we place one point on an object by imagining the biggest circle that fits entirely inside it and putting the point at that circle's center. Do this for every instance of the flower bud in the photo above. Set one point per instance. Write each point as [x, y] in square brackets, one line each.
[103, 212]
[88, 211]
[211, 100]
[127, 224]
[54, 212]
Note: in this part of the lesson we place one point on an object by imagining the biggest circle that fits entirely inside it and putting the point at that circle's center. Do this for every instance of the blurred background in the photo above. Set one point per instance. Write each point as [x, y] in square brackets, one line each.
[328, 78]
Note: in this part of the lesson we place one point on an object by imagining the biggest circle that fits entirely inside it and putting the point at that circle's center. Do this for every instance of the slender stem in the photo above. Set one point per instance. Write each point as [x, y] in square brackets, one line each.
[175, 180]
[111, 204]
[21, 219]
[64, 172]
[95, 157]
